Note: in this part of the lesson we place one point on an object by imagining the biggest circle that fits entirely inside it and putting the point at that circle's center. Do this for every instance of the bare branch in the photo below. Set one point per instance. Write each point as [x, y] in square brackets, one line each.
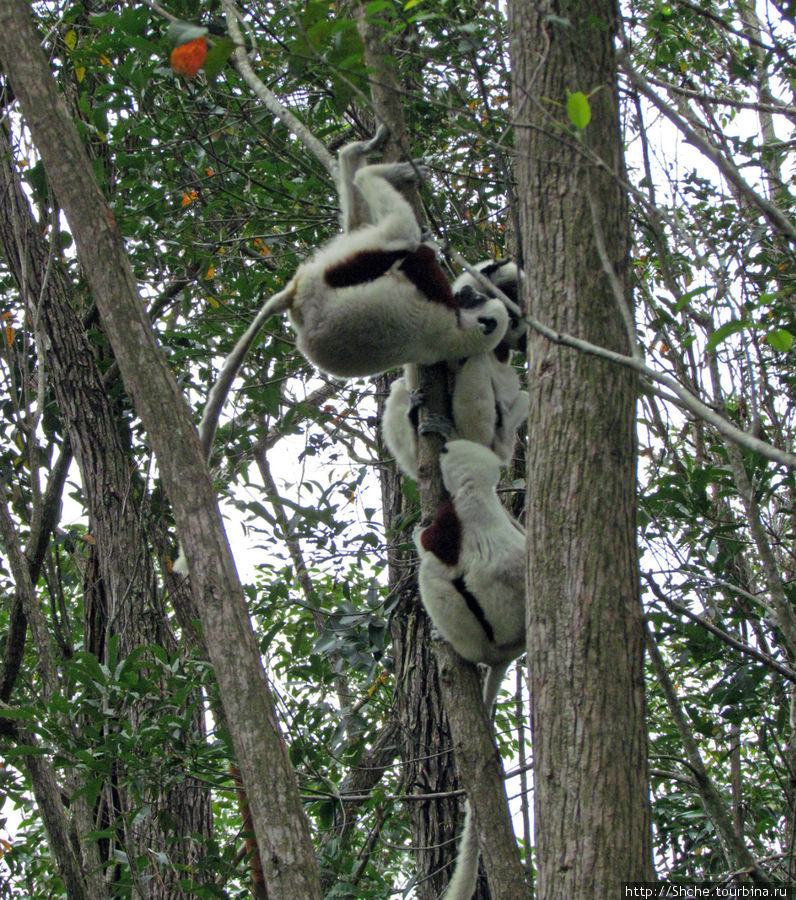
[268, 99]
[691, 402]
[776, 218]
[783, 109]
[746, 649]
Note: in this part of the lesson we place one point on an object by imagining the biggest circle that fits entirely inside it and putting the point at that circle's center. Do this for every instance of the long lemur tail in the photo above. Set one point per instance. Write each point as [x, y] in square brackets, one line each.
[462, 883]
[218, 393]
[494, 678]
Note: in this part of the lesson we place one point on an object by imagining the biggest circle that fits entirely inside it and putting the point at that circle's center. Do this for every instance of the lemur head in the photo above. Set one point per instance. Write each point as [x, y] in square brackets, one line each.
[465, 464]
[509, 278]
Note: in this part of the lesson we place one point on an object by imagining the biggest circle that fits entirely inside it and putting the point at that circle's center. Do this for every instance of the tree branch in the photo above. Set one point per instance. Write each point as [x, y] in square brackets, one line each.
[776, 218]
[746, 649]
[692, 403]
[734, 846]
[268, 99]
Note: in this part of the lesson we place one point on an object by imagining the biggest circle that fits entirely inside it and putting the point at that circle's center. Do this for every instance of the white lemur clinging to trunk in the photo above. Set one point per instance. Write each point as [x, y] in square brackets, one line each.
[508, 278]
[487, 405]
[472, 584]
[371, 298]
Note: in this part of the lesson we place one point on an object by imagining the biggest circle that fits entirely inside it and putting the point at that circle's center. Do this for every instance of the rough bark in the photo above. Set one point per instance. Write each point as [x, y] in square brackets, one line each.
[76, 864]
[120, 593]
[586, 644]
[34, 554]
[424, 731]
[279, 821]
[425, 736]
[72, 866]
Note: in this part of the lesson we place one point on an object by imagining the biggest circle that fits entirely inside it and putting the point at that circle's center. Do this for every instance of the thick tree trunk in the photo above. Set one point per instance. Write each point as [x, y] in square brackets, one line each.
[424, 734]
[586, 646]
[428, 765]
[279, 820]
[433, 687]
[121, 595]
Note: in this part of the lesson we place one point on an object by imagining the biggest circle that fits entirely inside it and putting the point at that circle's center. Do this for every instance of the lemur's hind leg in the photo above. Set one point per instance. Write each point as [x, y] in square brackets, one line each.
[389, 210]
[353, 212]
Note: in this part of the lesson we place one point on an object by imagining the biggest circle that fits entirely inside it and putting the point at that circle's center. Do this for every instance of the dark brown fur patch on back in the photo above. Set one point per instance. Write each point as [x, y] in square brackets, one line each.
[426, 274]
[443, 537]
[362, 267]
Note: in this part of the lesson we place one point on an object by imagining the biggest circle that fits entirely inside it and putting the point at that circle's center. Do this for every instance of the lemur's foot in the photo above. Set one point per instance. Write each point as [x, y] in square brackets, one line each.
[417, 400]
[434, 424]
[402, 173]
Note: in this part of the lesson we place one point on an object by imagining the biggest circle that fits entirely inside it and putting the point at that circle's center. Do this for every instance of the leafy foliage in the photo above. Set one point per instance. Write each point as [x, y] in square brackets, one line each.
[218, 203]
[716, 522]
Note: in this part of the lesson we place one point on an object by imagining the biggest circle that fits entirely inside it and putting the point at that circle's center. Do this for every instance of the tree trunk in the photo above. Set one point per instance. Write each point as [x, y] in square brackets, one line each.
[279, 821]
[426, 742]
[432, 686]
[120, 592]
[586, 645]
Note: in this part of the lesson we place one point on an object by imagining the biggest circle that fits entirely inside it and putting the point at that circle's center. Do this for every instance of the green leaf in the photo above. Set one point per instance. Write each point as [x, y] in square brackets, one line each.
[780, 339]
[8, 712]
[22, 750]
[377, 6]
[688, 297]
[142, 815]
[180, 33]
[217, 56]
[723, 332]
[579, 110]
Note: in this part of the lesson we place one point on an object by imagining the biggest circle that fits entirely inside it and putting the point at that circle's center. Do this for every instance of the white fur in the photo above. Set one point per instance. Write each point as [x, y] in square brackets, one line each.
[465, 875]
[492, 563]
[487, 407]
[397, 429]
[509, 279]
[345, 330]
[368, 328]
[365, 329]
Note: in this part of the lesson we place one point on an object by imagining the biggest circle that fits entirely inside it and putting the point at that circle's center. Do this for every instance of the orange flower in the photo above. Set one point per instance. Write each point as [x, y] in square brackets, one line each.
[187, 59]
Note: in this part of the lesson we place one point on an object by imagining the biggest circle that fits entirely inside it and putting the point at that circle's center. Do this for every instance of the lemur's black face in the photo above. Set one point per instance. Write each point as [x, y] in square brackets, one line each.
[517, 335]
[469, 298]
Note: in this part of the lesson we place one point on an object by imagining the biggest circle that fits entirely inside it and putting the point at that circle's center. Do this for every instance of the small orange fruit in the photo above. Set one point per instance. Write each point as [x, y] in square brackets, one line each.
[187, 59]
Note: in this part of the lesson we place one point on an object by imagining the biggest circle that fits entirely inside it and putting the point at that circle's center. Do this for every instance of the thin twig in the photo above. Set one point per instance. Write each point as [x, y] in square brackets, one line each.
[617, 287]
[733, 642]
[776, 108]
[776, 218]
